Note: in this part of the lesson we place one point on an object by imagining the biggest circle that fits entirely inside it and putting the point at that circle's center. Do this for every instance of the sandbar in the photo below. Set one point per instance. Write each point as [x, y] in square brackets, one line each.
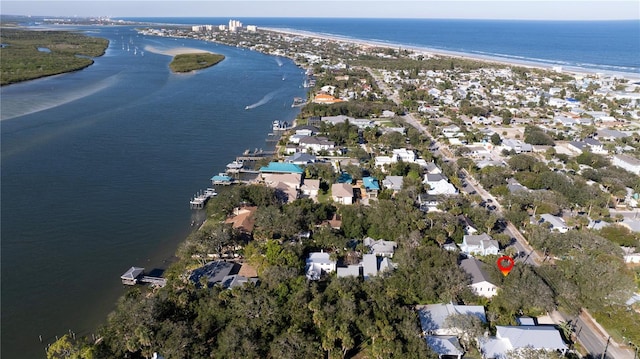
[175, 50]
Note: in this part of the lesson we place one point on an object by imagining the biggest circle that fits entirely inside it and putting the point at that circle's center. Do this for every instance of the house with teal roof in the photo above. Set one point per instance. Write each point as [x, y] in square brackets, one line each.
[281, 167]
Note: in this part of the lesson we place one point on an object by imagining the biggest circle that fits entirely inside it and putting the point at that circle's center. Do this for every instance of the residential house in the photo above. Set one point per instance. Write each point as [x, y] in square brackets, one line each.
[372, 264]
[380, 247]
[243, 219]
[516, 145]
[512, 338]
[342, 193]
[393, 182]
[577, 146]
[433, 317]
[316, 144]
[481, 244]
[324, 98]
[606, 134]
[306, 130]
[280, 167]
[286, 184]
[595, 146]
[292, 180]
[628, 163]
[236, 281]
[438, 184]
[371, 186]
[300, 158]
[310, 188]
[481, 284]
[428, 202]
[213, 272]
[451, 131]
[445, 346]
[319, 263]
[353, 270]
[557, 223]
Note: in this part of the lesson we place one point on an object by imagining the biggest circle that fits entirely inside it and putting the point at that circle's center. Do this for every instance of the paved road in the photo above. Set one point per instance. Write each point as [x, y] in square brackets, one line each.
[589, 336]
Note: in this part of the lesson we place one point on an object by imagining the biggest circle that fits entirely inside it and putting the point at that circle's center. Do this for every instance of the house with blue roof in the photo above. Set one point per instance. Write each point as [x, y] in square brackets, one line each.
[371, 186]
[281, 167]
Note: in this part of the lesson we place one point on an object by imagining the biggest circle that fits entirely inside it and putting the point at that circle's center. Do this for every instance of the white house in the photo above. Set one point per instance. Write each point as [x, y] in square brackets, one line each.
[433, 317]
[451, 131]
[516, 145]
[319, 263]
[316, 144]
[628, 163]
[479, 245]
[438, 184]
[342, 193]
[480, 282]
[513, 338]
[557, 223]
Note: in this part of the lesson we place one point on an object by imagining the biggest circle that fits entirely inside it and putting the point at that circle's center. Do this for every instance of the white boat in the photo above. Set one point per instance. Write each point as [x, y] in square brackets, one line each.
[235, 165]
[246, 107]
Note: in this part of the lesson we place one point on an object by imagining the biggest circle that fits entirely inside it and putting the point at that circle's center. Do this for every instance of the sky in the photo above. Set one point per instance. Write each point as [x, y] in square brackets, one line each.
[435, 9]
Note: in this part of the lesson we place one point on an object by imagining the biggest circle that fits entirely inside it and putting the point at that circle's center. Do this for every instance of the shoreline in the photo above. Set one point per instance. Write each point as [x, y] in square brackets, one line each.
[574, 70]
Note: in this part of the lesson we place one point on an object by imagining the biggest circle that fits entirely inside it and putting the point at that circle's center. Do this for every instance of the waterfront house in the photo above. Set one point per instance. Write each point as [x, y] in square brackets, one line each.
[280, 167]
[480, 282]
[213, 272]
[316, 144]
[481, 244]
[300, 158]
[342, 193]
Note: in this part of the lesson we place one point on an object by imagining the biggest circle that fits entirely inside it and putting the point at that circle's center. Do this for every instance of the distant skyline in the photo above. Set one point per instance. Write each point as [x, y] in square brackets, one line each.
[428, 9]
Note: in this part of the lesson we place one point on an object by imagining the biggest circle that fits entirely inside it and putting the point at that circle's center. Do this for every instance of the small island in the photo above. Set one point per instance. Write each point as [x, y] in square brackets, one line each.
[194, 61]
[28, 55]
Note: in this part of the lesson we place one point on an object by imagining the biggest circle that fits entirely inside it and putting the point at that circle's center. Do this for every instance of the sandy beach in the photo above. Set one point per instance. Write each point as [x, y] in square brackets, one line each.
[577, 71]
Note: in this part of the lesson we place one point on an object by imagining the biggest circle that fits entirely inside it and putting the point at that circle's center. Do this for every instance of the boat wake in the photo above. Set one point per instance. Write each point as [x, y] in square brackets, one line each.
[262, 101]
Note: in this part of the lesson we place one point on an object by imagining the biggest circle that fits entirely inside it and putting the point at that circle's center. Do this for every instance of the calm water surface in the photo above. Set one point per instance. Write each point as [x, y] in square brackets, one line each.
[98, 167]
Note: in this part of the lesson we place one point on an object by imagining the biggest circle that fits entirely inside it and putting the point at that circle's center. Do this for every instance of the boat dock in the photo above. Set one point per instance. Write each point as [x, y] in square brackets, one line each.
[200, 199]
[135, 275]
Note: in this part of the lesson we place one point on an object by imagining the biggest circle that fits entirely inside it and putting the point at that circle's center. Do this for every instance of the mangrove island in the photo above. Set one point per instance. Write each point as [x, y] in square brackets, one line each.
[194, 61]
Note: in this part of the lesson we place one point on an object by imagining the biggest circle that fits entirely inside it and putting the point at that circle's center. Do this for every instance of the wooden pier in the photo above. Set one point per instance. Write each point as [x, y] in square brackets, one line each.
[200, 199]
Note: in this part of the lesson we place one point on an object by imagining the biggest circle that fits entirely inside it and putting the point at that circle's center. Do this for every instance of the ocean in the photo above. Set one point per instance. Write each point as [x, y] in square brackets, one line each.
[612, 46]
[98, 165]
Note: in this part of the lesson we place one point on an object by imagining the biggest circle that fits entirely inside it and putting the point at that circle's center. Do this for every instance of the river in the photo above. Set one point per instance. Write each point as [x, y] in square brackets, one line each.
[98, 167]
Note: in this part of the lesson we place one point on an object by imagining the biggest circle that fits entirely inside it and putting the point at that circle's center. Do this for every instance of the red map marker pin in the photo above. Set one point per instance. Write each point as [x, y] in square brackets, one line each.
[505, 269]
